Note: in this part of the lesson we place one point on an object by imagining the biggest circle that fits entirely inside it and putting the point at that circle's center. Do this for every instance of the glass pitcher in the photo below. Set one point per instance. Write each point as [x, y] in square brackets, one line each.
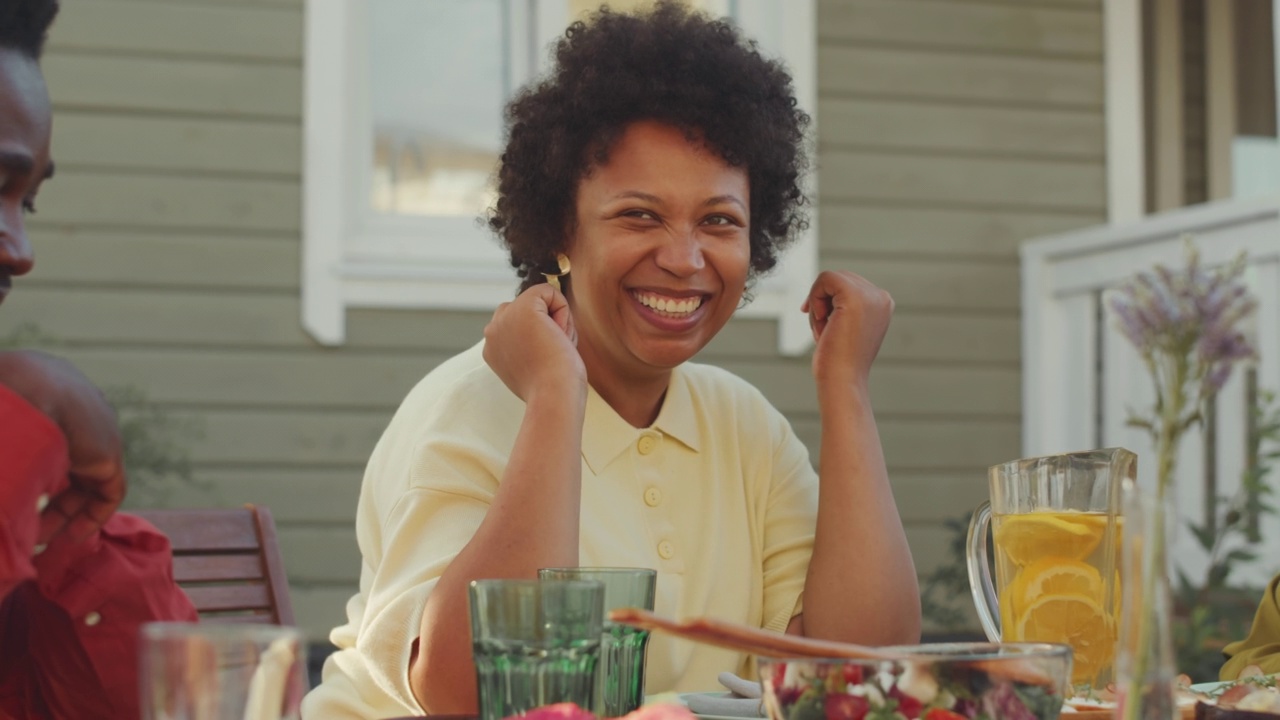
[1055, 527]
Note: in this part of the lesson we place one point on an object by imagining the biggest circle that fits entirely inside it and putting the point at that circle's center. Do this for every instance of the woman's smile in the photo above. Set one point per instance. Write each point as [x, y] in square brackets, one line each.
[669, 305]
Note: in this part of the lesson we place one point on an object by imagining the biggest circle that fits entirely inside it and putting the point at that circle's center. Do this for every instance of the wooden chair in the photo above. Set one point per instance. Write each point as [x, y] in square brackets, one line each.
[228, 562]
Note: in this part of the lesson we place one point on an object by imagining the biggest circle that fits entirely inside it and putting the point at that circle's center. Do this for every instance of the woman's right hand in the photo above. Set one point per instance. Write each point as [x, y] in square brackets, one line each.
[531, 343]
[532, 519]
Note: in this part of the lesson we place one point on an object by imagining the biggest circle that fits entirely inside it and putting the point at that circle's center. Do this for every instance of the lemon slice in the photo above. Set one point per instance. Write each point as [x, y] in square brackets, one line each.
[1057, 576]
[1028, 537]
[1076, 620]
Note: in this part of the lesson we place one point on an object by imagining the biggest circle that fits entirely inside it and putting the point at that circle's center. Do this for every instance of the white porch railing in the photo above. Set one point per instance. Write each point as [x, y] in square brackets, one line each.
[1081, 376]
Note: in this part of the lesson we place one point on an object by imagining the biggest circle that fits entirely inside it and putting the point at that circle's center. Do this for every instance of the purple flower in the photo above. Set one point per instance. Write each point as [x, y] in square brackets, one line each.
[1193, 312]
[1217, 377]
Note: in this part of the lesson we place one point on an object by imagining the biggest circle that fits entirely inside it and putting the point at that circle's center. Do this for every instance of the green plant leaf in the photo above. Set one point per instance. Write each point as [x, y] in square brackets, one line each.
[1202, 536]
[1241, 555]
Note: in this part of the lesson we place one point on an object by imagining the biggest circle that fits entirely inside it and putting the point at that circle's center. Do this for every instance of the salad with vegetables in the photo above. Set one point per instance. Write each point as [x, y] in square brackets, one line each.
[908, 690]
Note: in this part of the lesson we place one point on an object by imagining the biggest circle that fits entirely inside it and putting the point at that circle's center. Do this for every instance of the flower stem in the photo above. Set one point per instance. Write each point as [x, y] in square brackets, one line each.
[1152, 558]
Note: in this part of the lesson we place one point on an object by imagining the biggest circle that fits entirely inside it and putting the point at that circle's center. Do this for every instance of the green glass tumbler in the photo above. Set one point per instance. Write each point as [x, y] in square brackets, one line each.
[622, 648]
[535, 643]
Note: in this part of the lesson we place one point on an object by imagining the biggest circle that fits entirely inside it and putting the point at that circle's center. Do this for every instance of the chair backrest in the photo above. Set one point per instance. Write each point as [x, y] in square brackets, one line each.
[228, 562]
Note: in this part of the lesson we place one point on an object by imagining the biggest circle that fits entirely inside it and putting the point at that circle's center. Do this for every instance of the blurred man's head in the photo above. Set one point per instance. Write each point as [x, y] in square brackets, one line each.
[25, 127]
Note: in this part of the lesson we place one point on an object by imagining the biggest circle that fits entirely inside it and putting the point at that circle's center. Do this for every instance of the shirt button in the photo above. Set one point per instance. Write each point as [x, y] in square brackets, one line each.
[92, 619]
[646, 444]
[42, 502]
[666, 550]
[652, 497]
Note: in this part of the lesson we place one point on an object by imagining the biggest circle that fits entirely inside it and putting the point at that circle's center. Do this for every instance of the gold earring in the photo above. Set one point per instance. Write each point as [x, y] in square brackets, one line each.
[553, 279]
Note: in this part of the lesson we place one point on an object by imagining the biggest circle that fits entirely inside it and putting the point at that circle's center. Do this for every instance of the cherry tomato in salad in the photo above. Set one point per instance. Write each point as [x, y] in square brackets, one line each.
[909, 706]
[846, 707]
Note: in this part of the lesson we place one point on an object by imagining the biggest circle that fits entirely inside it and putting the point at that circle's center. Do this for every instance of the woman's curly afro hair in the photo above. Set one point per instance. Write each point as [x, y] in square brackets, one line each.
[669, 65]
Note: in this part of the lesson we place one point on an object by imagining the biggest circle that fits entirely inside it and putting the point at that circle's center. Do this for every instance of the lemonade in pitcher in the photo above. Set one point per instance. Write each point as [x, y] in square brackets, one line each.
[1054, 524]
[1050, 566]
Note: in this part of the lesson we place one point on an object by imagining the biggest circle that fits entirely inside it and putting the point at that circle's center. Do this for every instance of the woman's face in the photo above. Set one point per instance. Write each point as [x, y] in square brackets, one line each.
[660, 252]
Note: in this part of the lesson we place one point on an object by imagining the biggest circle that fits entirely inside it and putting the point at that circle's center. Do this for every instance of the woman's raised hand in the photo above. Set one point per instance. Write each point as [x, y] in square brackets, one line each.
[94, 449]
[531, 344]
[849, 317]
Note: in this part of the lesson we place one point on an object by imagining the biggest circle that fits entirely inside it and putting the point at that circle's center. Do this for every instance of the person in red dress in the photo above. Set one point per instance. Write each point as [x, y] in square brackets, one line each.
[77, 580]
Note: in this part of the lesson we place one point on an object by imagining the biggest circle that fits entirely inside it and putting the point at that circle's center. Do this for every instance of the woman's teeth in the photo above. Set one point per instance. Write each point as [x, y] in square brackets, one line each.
[670, 307]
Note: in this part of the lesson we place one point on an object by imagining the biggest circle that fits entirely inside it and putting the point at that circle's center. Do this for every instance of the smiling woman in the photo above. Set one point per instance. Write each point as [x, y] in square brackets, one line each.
[660, 163]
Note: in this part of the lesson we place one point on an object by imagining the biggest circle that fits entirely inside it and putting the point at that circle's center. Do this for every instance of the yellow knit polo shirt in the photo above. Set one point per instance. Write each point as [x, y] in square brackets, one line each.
[718, 495]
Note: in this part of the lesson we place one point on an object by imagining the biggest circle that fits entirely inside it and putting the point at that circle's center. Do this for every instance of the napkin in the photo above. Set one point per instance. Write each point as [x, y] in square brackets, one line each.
[742, 700]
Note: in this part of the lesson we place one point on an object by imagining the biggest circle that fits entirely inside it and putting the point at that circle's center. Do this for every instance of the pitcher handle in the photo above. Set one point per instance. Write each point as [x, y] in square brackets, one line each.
[984, 593]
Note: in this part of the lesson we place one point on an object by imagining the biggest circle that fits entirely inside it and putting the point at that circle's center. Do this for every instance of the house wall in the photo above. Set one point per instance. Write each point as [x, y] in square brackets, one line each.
[951, 130]
[168, 245]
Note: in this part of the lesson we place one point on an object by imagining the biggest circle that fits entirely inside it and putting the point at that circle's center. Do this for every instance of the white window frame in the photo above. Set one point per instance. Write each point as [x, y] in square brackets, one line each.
[353, 258]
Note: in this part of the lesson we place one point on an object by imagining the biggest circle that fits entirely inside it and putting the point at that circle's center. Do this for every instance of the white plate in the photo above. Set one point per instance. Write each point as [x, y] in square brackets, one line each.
[684, 699]
[1210, 687]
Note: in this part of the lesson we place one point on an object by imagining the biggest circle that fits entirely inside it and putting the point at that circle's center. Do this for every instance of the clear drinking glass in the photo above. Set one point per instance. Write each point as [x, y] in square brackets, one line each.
[192, 671]
[535, 643]
[620, 688]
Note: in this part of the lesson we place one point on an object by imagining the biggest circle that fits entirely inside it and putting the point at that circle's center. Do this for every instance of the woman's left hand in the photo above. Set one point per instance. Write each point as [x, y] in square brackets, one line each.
[849, 317]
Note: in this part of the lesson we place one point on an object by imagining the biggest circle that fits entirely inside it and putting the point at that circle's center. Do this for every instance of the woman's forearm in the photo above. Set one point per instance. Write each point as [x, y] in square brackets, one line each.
[861, 585]
[532, 523]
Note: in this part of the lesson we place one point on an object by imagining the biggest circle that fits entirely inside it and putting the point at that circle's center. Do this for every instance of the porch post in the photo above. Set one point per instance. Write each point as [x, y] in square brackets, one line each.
[1167, 127]
[1126, 168]
[1220, 95]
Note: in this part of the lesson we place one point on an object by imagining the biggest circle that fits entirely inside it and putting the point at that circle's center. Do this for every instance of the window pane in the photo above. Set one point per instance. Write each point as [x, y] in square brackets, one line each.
[438, 81]
[578, 8]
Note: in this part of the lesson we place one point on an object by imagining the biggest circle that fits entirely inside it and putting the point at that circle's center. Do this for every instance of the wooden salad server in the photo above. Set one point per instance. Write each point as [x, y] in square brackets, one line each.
[767, 643]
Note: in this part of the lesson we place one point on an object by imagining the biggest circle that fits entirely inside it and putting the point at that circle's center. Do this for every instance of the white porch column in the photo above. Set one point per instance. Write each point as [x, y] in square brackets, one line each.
[1126, 168]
